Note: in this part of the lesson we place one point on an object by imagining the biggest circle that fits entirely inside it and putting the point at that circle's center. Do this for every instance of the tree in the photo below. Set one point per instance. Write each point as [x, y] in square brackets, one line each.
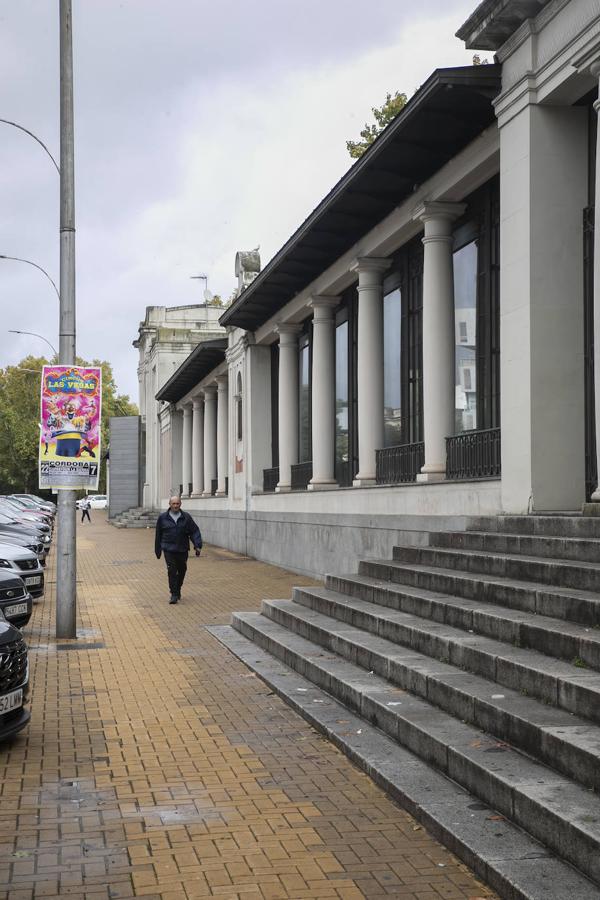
[20, 415]
[385, 114]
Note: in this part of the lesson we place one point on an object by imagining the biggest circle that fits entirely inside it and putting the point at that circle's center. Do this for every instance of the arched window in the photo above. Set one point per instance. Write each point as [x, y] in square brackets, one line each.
[239, 406]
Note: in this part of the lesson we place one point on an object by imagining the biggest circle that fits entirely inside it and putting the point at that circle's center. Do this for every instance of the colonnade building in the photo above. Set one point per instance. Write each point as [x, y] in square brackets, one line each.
[422, 348]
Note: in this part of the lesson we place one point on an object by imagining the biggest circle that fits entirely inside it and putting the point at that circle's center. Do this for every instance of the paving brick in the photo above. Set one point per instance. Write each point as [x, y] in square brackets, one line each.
[156, 765]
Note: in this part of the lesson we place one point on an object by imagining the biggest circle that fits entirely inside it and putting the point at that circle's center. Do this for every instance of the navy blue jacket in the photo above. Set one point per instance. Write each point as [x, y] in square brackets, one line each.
[176, 536]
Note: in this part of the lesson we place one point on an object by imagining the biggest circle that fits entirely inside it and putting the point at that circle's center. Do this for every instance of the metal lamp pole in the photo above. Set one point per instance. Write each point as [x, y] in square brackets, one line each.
[66, 591]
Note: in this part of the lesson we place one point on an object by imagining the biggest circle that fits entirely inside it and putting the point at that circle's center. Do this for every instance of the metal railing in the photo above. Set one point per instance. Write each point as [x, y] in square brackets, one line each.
[270, 479]
[473, 454]
[301, 475]
[400, 464]
[343, 474]
[213, 486]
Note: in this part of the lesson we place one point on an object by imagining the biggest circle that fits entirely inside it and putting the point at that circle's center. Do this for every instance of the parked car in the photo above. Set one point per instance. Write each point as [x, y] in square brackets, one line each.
[97, 501]
[8, 521]
[25, 541]
[14, 680]
[39, 500]
[19, 507]
[25, 564]
[33, 505]
[20, 516]
[16, 603]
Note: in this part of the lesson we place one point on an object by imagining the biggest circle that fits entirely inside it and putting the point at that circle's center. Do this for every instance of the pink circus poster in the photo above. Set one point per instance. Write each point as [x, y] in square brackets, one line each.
[71, 398]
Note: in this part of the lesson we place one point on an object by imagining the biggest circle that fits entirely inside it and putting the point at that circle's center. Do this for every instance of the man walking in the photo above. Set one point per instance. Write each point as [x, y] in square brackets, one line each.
[174, 531]
[85, 509]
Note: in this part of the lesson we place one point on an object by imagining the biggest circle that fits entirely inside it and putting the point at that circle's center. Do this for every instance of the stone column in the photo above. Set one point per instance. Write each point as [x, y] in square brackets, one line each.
[369, 364]
[197, 447]
[595, 70]
[288, 404]
[210, 438]
[186, 450]
[323, 392]
[438, 334]
[222, 433]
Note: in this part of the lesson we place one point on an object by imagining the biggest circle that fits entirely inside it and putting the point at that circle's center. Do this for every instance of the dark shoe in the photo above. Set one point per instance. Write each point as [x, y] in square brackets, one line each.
[173, 599]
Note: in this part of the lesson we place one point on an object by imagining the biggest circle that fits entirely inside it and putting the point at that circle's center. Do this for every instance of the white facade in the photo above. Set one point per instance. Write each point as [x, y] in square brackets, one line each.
[165, 338]
[228, 431]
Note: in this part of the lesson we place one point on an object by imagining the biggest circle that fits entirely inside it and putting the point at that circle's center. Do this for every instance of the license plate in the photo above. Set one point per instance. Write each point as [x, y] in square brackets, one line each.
[33, 579]
[17, 610]
[11, 701]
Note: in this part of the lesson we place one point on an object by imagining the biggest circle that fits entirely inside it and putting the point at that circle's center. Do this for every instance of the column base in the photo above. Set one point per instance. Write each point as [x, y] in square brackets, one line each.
[283, 488]
[195, 495]
[221, 494]
[364, 481]
[322, 485]
[428, 477]
[591, 509]
[206, 494]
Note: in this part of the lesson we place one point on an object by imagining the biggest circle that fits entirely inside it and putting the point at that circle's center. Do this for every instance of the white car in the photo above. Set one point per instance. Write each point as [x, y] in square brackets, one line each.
[97, 501]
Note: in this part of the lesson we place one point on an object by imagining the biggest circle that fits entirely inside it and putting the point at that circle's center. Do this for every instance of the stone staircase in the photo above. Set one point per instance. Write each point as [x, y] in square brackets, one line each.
[471, 664]
[138, 517]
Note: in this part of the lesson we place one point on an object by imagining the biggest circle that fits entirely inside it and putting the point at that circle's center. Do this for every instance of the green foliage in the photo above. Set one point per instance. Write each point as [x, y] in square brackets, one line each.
[20, 414]
[384, 114]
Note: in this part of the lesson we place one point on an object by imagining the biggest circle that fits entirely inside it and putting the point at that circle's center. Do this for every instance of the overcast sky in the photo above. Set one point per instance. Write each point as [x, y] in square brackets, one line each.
[200, 129]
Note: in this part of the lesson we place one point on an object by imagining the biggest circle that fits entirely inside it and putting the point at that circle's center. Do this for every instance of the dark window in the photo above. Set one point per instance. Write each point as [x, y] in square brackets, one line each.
[239, 407]
[403, 347]
[477, 312]
[392, 378]
[346, 400]
[342, 396]
[304, 399]
[275, 404]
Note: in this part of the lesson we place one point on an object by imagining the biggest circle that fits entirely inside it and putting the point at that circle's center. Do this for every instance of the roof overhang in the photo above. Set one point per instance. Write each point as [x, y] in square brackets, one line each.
[494, 21]
[201, 361]
[446, 114]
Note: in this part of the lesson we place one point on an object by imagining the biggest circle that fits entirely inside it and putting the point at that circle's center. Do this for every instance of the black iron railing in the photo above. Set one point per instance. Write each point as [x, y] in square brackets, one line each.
[180, 490]
[400, 464]
[190, 488]
[213, 486]
[473, 454]
[301, 475]
[270, 479]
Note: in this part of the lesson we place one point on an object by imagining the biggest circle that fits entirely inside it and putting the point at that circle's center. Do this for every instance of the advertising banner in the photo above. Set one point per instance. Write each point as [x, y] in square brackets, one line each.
[71, 398]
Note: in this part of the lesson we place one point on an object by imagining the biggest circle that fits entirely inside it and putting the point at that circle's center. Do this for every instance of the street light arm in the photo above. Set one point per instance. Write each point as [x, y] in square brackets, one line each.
[31, 134]
[30, 263]
[34, 334]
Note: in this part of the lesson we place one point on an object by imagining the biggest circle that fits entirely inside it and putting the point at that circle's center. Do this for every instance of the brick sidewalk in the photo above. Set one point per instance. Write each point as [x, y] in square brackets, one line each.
[156, 765]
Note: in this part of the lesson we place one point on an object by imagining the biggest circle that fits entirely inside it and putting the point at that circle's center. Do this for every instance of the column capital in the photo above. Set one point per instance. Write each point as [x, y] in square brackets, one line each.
[222, 382]
[370, 264]
[186, 407]
[323, 307]
[197, 403]
[210, 391]
[438, 210]
[288, 333]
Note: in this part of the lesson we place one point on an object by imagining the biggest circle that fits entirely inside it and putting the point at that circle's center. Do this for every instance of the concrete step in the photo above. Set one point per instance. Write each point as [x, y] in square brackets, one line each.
[555, 810]
[548, 635]
[508, 859]
[566, 743]
[574, 549]
[580, 575]
[563, 603]
[561, 526]
[564, 685]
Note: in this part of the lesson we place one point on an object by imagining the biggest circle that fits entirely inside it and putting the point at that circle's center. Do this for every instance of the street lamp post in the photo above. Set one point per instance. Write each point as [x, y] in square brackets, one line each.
[66, 590]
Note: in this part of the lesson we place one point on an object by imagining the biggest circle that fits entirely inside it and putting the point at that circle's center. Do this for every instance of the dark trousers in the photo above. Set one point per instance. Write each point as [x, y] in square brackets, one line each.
[84, 513]
[176, 569]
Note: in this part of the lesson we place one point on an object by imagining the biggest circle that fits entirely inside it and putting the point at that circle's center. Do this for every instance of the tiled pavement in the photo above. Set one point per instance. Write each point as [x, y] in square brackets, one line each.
[156, 765]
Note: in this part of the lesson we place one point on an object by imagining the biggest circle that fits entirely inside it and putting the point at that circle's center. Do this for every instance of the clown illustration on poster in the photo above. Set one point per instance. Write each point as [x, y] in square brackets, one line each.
[69, 455]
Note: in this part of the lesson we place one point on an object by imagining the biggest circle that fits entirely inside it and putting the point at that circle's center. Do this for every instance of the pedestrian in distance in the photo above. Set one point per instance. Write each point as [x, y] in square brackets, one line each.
[85, 509]
[174, 531]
